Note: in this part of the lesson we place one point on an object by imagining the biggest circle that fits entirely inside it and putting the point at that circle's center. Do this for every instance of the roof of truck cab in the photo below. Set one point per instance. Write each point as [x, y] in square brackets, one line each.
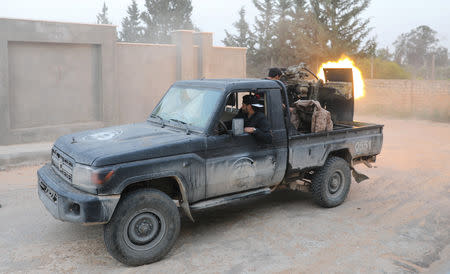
[229, 84]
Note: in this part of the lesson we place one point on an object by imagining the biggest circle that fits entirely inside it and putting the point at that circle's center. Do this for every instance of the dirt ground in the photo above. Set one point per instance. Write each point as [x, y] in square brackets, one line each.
[398, 221]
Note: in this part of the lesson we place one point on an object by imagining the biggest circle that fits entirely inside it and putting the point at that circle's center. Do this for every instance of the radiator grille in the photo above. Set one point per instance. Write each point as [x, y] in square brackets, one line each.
[62, 164]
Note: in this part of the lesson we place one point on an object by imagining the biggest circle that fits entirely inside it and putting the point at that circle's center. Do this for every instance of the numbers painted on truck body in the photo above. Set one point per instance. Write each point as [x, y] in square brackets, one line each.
[362, 147]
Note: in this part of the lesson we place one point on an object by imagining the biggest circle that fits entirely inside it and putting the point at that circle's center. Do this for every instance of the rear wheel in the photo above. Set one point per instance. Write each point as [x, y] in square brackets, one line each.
[143, 228]
[331, 183]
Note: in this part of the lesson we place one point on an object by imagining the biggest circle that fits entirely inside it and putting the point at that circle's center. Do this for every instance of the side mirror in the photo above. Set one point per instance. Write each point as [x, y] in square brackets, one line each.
[238, 126]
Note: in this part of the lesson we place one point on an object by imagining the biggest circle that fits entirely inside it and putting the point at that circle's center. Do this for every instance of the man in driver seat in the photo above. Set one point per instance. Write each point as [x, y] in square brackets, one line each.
[255, 122]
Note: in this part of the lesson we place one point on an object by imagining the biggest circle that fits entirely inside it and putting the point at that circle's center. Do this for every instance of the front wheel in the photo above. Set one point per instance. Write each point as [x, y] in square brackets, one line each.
[331, 183]
[143, 228]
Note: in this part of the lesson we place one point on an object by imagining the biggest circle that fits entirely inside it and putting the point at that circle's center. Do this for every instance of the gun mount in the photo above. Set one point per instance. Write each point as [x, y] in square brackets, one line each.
[335, 92]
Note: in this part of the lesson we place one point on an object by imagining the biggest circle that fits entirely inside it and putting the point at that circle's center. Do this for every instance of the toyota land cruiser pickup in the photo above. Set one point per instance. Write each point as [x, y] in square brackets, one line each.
[136, 178]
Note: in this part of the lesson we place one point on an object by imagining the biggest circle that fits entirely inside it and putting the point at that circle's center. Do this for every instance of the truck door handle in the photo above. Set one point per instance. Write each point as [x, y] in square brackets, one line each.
[186, 164]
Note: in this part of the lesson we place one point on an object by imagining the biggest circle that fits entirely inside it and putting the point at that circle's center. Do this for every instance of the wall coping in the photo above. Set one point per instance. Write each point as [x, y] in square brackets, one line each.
[145, 44]
[53, 21]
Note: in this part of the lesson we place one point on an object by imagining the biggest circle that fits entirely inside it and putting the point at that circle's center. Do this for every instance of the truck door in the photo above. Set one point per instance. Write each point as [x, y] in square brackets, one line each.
[239, 163]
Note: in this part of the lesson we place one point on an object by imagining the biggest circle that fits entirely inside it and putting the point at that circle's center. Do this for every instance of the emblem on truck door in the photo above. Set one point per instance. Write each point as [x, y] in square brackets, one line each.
[243, 172]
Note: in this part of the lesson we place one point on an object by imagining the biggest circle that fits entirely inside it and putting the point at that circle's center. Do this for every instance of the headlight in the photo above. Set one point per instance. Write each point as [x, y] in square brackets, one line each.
[89, 179]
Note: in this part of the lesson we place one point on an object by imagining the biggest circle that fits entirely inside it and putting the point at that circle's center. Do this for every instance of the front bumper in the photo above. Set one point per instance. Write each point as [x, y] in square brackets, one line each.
[67, 203]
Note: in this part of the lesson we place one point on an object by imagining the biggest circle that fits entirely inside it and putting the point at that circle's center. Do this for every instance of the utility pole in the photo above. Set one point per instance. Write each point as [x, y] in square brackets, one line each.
[433, 65]
[371, 67]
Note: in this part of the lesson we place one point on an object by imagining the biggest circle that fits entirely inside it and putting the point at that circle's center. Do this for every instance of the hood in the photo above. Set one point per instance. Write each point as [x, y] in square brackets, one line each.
[126, 143]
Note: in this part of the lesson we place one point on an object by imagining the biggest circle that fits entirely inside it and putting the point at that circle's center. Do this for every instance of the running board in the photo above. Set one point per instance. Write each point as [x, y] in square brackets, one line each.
[230, 198]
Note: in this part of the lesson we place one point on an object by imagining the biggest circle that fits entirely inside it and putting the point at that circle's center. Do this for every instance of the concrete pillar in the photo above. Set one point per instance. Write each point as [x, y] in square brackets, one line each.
[184, 41]
[204, 41]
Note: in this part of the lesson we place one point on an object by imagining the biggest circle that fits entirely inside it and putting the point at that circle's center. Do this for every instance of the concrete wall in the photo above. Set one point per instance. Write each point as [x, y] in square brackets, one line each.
[71, 85]
[219, 62]
[50, 71]
[141, 83]
[406, 98]
[226, 63]
[57, 78]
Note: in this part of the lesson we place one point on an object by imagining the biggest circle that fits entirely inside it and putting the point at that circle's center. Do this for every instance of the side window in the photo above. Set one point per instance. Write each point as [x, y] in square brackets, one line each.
[234, 104]
[231, 108]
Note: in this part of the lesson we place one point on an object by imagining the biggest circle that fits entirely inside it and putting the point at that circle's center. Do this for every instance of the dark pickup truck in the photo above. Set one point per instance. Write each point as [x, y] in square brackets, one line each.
[133, 178]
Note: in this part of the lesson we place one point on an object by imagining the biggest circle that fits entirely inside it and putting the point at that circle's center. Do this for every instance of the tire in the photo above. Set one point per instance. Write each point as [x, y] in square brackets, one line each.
[331, 183]
[143, 228]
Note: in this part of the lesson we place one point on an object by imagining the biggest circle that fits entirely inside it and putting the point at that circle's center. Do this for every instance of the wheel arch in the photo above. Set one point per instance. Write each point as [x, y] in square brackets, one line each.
[342, 153]
[171, 184]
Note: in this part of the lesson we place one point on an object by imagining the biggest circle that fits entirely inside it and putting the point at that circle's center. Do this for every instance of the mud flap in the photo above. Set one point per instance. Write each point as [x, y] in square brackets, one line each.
[185, 206]
[359, 177]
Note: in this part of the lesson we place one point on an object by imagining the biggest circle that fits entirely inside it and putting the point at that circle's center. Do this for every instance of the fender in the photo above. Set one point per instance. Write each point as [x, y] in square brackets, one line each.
[179, 178]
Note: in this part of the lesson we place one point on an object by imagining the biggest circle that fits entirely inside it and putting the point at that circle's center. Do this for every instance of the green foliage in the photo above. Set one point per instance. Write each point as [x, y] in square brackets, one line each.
[244, 37]
[283, 50]
[441, 56]
[264, 34]
[161, 17]
[411, 48]
[102, 17]
[443, 73]
[346, 30]
[382, 69]
[301, 32]
[418, 50]
[384, 54]
[310, 37]
[132, 31]
[288, 32]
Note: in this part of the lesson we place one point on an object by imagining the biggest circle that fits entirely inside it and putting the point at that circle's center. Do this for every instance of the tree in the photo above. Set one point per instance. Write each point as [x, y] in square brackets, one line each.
[382, 68]
[310, 37]
[384, 54]
[283, 51]
[132, 31]
[102, 17]
[441, 56]
[264, 33]
[244, 36]
[164, 16]
[413, 47]
[298, 14]
[299, 30]
[288, 32]
[418, 50]
[346, 30]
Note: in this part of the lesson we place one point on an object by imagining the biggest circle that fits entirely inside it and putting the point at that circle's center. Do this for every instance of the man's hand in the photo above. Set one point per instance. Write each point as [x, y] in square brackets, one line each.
[249, 129]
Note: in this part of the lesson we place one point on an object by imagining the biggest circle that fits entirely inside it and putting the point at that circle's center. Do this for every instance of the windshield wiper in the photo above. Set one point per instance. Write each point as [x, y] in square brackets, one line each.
[157, 116]
[188, 131]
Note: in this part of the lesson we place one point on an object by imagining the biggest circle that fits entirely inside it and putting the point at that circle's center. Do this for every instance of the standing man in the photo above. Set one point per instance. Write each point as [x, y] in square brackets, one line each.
[255, 122]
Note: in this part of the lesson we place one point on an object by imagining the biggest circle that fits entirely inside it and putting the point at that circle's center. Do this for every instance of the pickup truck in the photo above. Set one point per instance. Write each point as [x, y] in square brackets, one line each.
[136, 178]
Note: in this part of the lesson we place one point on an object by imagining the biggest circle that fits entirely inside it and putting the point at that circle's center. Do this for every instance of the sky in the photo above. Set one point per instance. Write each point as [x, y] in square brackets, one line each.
[389, 18]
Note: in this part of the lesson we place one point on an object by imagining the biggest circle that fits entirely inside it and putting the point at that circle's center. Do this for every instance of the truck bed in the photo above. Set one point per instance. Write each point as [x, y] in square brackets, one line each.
[309, 150]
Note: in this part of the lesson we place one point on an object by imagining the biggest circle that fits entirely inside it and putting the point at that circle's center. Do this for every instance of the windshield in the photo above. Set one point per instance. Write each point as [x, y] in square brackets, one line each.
[191, 106]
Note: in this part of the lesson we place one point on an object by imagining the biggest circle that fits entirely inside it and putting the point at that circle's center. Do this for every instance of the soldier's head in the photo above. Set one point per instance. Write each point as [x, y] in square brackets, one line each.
[249, 103]
[274, 74]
